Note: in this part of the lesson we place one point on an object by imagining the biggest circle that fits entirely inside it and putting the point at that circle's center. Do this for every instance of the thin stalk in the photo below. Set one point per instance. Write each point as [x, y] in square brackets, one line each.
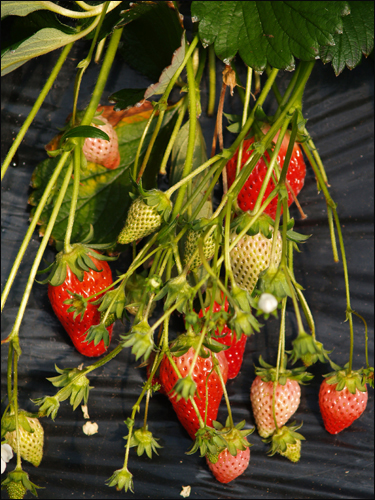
[366, 336]
[280, 357]
[226, 397]
[95, 11]
[244, 115]
[347, 292]
[142, 140]
[38, 103]
[31, 227]
[73, 202]
[332, 234]
[212, 80]
[191, 140]
[172, 139]
[15, 405]
[150, 145]
[40, 252]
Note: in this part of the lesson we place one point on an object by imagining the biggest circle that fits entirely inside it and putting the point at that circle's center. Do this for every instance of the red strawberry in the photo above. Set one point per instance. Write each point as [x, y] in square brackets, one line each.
[203, 369]
[100, 151]
[229, 467]
[339, 408]
[91, 282]
[250, 190]
[236, 350]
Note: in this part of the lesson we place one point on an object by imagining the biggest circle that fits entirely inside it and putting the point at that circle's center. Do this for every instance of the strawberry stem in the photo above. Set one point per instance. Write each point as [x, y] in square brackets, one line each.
[75, 193]
[212, 80]
[32, 226]
[280, 357]
[34, 110]
[141, 141]
[244, 115]
[150, 145]
[226, 397]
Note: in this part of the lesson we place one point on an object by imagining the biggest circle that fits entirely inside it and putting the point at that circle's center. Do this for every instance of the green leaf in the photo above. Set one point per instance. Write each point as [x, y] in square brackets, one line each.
[21, 8]
[151, 38]
[126, 98]
[85, 131]
[357, 38]
[199, 157]
[273, 32]
[103, 199]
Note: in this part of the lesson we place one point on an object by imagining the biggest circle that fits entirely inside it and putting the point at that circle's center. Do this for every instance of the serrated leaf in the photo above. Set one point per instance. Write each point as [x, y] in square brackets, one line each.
[103, 198]
[273, 32]
[151, 38]
[357, 38]
[168, 72]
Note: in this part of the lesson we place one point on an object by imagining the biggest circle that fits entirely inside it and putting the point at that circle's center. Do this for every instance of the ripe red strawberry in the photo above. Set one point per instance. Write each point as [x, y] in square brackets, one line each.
[236, 350]
[203, 369]
[75, 324]
[100, 151]
[250, 190]
[339, 408]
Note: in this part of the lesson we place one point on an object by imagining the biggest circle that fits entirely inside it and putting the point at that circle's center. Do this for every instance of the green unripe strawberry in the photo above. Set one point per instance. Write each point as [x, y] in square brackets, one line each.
[251, 256]
[31, 443]
[16, 489]
[191, 245]
[293, 451]
[145, 215]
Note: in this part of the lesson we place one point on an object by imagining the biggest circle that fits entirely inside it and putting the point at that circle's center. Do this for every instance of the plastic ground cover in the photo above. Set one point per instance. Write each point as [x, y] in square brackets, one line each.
[340, 119]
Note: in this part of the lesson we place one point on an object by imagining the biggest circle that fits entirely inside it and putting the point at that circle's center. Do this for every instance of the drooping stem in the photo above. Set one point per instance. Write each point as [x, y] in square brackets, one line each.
[75, 193]
[212, 80]
[38, 103]
[150, 145]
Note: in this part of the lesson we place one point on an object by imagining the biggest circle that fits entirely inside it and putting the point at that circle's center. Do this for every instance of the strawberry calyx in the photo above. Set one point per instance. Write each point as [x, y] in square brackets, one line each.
[208, 441]
[343, 377]
[141, 339]
[268, 373]
[144, 441]
[17, 483]
[117, 308]
[79, 260]
[263, 224]
[76, 383]
[286, 441]
[273, 280]
[156, 199]
[178, 291]
[234, 438]
[122, 479]
[309, 350]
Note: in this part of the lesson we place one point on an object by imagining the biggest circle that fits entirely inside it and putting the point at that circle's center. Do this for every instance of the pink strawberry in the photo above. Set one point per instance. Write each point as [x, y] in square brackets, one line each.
[339, 405]
[229, 467]
[100, 151]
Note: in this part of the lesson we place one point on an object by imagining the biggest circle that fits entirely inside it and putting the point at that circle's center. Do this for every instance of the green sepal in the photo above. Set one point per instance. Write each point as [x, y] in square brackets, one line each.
[49, 406]
[117, 308]
[353, 380]
[8, 422]
[79, 390]
[208, 442]
[306, 348]
[17, 483]
[282, 438]
[233, 437]
[184, 342]
[79, 261]
[122, 479]
[78, 305]
[274, 281]
[158, 200]
[144, 441]
[268, 373]
[262, 225]
[96, 334]
[184, 388]
[369, 376]
[177, 289]
[141, 338]
[242, 321]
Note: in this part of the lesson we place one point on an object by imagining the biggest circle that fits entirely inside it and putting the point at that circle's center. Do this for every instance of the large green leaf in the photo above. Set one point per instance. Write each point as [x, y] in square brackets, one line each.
[104, 194]
[357, 38]
[273, 32]
[151, 38]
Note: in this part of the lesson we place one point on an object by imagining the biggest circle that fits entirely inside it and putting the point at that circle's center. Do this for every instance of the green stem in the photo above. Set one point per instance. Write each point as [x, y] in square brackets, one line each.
[82, 65]
[172, 139]
[32, 226]
[280, 357]
[191, 140]
[212, 80]
[142, 140]
[10, 372]
[74, 199]
[332, 234]
[226, 397]
[15, 405]
[38, 103]
[40, 252]
[244, 116]
[366, 336]
[347, 292]
[150, 145]
[80, 15]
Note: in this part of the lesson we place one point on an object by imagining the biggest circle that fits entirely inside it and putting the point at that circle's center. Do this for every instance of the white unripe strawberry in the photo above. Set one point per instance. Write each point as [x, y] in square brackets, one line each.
[100, 151]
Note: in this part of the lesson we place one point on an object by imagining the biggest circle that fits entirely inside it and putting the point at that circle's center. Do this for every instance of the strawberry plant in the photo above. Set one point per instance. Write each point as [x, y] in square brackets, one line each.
[174, 229]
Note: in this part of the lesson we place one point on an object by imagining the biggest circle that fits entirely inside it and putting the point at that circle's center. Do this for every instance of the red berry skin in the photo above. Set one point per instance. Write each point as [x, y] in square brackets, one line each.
[250, 190]
[236, 351]
[339, 409]
[184, 409]
[92, 283]
[103, 152]
[229, 467]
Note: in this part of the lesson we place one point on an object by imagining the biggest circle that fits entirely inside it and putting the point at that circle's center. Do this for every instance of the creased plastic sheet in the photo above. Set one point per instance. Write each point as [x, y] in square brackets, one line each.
[340, 119]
